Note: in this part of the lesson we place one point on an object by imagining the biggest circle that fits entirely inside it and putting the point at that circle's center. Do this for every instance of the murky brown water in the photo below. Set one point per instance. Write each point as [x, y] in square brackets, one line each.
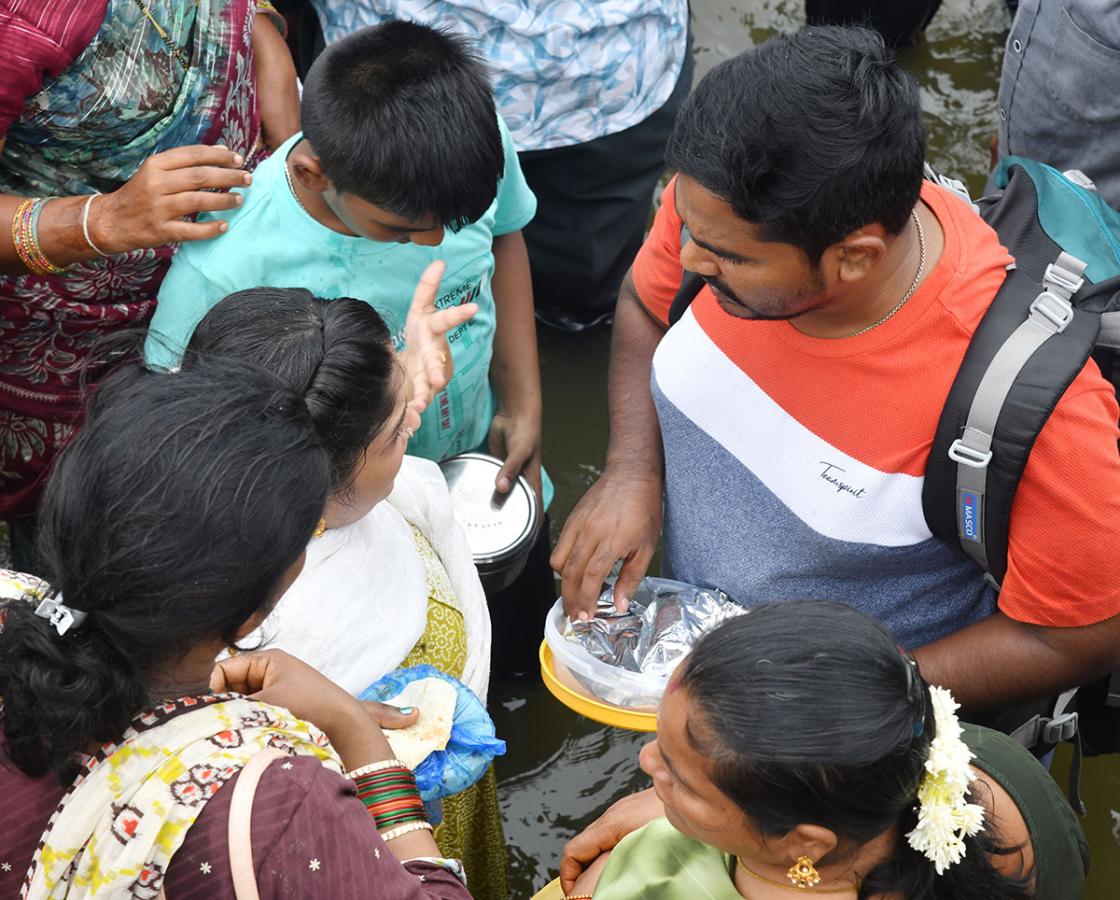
[562, 770]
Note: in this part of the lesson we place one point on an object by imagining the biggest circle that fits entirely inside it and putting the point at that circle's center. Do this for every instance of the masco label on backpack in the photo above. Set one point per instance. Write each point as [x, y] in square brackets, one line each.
[970, 503]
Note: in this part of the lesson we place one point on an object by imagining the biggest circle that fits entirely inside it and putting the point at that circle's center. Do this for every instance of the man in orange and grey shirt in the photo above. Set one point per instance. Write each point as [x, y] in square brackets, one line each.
[786, 420]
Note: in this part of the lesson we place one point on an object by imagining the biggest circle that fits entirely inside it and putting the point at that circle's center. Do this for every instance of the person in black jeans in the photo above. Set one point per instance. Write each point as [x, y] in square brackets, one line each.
[593, 207]
[899, 23]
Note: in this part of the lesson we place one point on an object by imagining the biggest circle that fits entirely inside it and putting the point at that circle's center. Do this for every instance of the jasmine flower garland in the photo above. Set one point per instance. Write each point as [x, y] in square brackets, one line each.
[945, 817]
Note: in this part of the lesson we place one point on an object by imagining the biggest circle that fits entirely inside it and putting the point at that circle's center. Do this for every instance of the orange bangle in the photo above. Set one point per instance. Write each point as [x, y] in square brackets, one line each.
[17, 231]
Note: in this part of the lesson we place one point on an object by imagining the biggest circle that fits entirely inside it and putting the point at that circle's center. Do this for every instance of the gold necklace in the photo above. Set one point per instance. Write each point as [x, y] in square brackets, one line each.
[176, 51]
[913, 285]
[292, 188]
[789, 887]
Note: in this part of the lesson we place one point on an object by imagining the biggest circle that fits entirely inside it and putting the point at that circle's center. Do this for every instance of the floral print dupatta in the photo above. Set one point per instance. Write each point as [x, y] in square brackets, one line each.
[129, 810]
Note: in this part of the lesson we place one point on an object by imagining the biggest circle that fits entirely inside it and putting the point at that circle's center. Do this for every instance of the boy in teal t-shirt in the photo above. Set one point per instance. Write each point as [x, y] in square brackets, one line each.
[402, 161]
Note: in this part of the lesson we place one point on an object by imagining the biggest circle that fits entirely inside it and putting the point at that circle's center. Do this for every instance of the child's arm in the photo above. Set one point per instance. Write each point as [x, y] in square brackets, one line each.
[515, 433]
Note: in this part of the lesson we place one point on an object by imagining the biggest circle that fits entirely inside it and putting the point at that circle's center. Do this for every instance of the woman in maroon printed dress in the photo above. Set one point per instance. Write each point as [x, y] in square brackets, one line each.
[171, 524]
[121, 117]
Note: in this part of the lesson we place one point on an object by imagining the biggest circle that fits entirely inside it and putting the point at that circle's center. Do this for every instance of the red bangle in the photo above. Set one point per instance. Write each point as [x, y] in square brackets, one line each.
[391, 797]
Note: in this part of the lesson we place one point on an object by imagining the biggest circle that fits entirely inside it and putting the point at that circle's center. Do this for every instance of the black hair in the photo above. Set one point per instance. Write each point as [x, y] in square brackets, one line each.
[337, 354]
[810, 713]
[170, 520]
[402, 115]
[809, 137]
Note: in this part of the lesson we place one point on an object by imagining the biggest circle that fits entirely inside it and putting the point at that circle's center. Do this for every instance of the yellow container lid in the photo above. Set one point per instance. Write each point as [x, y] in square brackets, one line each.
[565, 688]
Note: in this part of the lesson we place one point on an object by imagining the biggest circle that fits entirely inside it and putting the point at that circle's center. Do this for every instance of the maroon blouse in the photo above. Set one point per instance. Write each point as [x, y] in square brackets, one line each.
[311, 838]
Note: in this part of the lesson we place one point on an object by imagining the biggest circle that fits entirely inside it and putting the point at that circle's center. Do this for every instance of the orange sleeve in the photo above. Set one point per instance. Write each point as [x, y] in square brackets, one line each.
[657, 268]
[1063, 564]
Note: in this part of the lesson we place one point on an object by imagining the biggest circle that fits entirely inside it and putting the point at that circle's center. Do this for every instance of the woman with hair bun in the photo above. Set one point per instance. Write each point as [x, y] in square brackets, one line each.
[798, 748]
[365, 587]
[390, 581]
[130, 766]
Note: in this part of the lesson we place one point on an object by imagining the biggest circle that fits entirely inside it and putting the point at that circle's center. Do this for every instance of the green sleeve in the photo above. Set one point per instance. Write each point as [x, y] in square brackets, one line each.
[657, 862]
[516, 203]
[1060, 849]
[185, 296]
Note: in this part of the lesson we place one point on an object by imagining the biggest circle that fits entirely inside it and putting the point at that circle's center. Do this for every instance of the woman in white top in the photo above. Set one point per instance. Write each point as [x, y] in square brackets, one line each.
[389, 580]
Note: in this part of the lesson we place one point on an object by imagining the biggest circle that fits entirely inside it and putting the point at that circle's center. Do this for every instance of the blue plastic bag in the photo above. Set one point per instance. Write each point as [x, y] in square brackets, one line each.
[473, 744]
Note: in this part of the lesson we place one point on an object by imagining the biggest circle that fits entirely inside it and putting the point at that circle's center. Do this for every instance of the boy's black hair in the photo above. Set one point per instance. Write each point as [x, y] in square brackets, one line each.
[809, 137]
[402, 116]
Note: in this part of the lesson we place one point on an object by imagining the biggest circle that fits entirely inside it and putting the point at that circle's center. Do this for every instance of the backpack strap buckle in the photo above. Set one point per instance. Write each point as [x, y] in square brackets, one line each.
[961, 453]
[1063, 276]
[1052, 309]
[1060, 728]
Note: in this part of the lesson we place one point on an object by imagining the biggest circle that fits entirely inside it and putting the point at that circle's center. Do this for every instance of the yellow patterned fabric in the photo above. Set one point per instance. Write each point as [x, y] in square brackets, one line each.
[444, 641]
[19, 586]
[471, 830]
[129, 810]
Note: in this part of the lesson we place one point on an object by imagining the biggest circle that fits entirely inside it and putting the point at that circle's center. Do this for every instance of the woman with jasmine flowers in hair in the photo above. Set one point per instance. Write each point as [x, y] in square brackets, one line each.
[798, 749]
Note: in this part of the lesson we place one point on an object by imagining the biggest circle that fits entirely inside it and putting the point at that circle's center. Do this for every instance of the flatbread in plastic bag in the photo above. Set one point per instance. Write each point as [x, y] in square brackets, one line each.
[435, 699]
[468, 752]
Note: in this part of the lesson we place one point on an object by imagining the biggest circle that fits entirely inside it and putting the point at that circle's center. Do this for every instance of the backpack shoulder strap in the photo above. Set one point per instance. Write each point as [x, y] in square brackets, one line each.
[1028, 348]
[1048, 315]
[691, 285]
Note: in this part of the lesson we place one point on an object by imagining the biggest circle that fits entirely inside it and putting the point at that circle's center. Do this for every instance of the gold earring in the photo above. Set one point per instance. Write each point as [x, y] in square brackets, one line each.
[803, 874]
[320, 528]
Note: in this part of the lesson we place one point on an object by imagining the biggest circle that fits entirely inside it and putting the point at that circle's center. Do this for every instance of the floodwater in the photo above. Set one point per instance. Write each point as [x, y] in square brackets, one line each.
[562, 770]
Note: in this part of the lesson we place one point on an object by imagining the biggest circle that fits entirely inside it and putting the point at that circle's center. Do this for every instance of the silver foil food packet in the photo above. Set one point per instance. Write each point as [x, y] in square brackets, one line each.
[664, 620]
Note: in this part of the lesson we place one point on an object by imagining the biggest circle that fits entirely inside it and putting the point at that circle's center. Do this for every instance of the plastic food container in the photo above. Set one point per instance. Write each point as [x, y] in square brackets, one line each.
[501, 528]
[564, 687]
[607, 684]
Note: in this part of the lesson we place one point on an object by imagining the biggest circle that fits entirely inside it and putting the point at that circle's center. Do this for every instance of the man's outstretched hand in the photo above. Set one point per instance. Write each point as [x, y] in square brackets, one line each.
[618, 518]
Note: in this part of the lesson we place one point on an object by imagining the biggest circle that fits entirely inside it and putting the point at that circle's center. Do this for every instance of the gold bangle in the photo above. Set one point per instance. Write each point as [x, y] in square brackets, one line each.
[377, 767]
[18, 240]
[402, 830]
[25, 227]
[31, 237]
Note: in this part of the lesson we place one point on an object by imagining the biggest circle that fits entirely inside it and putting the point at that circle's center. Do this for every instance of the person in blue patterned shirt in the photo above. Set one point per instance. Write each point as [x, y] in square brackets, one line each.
[590, 90]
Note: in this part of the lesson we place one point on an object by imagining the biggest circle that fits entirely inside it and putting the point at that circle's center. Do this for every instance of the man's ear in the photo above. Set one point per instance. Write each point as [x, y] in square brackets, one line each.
[308, 171]
[857, 255]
